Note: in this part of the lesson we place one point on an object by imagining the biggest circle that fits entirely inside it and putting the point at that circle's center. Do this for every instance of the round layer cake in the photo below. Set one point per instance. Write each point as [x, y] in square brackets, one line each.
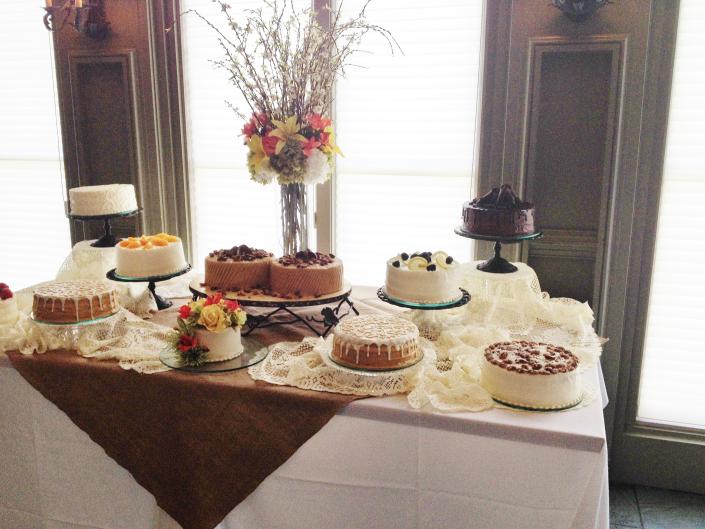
[306, 274]
[499, 213]
[102, 200]
[240, 268]
[151, 255]
[74, 301]
[376, 342]
[222, 346]
[423, 277]
[532, 374]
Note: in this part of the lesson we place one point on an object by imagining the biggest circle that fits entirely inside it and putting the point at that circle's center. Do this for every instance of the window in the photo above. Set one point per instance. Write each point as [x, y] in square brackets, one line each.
[406, 124]
[33, 225]
[671, 389]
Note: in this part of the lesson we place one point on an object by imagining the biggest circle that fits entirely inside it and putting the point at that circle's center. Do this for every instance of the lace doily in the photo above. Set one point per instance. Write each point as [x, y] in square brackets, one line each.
[300, 364]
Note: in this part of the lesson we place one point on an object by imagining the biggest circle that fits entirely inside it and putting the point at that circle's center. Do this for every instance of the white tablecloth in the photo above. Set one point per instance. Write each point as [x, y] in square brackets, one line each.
[377, 464]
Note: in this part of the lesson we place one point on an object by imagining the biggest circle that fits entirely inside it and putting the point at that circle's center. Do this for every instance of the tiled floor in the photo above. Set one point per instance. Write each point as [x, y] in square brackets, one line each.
[638, 507]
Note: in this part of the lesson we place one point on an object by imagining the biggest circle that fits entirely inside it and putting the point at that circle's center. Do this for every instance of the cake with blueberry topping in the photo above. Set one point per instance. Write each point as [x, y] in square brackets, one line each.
[306, 274]
[423, 277]
[238, 269]
[376, 342]
[532, 374]
[8, 306]
[499, 213]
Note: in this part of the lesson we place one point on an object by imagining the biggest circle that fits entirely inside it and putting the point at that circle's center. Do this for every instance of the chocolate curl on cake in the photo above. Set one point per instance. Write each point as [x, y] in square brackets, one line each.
[502, 197]
[240, 253]
[306, 258]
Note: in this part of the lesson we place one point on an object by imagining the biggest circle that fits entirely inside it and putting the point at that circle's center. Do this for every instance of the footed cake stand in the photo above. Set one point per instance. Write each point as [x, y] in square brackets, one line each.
[321, 326]
[427, 321]
[152, 280]
[498, 264]
[108, 240]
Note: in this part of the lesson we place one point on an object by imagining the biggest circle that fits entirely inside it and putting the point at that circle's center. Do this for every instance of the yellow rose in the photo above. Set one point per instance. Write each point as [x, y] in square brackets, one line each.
[213, 318]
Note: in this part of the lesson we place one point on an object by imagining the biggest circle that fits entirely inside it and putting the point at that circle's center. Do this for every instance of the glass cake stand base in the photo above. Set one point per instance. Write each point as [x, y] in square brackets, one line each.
[254, 352]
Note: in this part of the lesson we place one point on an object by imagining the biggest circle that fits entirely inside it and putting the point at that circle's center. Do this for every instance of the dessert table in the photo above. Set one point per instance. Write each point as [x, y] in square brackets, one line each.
[376, 463]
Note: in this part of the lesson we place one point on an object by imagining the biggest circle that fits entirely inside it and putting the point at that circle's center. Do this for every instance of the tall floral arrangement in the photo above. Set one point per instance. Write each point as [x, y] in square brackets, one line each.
[285, 62]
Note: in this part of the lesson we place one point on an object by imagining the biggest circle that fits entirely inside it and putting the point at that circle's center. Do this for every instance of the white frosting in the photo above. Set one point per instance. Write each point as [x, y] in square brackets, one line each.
[221, 346]
[534, 390]
[8, 311]
[102, 200]
[53, 296]
[422, 286]
[155, 261]
[359, 335]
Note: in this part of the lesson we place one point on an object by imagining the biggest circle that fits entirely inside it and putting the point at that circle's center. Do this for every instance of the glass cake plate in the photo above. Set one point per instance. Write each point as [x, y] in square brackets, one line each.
[254, 352]
[463, 299]
[531, 408]
[81, 323]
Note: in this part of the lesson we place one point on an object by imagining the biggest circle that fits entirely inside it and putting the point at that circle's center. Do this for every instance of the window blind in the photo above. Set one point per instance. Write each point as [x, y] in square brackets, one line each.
[406, 124]
[34, 231]
[229, 208]
[673, 368]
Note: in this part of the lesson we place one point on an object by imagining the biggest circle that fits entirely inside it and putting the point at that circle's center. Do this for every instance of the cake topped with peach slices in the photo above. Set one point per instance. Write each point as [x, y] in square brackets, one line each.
[150, 255]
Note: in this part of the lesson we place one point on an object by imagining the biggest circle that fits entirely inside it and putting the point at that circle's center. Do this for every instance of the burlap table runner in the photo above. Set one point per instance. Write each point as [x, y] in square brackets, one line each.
[199, 443]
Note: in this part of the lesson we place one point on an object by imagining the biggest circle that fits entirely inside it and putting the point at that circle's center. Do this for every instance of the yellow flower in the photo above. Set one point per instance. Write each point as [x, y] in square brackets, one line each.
[213, 318]
[330, 146]
[286, 130]
[257, 154]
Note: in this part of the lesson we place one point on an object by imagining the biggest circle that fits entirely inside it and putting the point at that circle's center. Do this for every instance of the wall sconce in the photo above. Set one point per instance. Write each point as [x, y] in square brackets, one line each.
[85, 16]
[578, 10]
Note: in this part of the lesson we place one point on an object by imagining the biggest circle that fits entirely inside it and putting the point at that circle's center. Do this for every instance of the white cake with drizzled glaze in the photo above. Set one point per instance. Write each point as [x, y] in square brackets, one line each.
[74, 301]
[532, 374]
[111, 199]
[376, 342]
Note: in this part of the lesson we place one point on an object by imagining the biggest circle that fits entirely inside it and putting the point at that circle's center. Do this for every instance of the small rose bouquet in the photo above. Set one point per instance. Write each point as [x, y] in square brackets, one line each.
[197, 318]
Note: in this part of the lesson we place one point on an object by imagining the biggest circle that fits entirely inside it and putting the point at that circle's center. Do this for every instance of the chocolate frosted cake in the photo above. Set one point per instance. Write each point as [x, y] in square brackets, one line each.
[306, 274]
[240, 268]
[499, 213]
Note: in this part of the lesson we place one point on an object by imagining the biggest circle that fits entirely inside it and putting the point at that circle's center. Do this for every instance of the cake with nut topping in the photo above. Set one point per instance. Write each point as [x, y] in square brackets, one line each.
[306, 274]
[532, 375]
[376, 342]
[238, 269]
[423, 277]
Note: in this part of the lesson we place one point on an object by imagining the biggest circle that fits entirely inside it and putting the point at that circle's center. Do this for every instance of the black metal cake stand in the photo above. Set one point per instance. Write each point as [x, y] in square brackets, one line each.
[152, 281]
[108, 240]
[498, 264]
[321, 326]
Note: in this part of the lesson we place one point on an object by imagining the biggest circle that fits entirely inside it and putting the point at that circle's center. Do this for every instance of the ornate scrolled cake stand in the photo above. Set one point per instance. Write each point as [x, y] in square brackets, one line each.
[498, 264]
[428, 324]
[330, 316]
[151, 280]
[108, 240]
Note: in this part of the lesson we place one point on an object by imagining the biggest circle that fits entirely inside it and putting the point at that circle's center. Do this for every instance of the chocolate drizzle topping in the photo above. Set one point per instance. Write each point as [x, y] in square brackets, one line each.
[501, 198]
[306, 258]
[240, 253]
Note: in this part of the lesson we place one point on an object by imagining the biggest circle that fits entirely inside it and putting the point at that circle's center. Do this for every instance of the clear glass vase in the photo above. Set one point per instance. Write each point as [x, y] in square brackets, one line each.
[294, 218]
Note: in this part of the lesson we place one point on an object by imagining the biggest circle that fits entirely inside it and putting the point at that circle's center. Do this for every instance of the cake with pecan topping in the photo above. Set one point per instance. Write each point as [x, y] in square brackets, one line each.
[499, 213]
[306, 274]
[532, 374]
[376, 342]
[239, 268]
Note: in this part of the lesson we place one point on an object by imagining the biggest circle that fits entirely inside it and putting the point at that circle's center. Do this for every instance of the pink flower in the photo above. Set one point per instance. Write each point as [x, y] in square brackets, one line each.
[309, 145]
[184, 311]
[186, 343]
[325, 137]
[214, 299]
[318, 122]
[250, 129]
[232, 306]
[269, 144]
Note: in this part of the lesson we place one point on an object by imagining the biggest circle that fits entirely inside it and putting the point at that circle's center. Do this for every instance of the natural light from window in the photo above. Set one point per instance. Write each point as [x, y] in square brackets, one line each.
[672, 380]
[34, 231]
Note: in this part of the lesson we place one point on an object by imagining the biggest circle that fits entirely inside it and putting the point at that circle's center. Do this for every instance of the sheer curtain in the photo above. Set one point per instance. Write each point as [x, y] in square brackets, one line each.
[229, 208]
[34, 231]
[673, 370]
[406, 124]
